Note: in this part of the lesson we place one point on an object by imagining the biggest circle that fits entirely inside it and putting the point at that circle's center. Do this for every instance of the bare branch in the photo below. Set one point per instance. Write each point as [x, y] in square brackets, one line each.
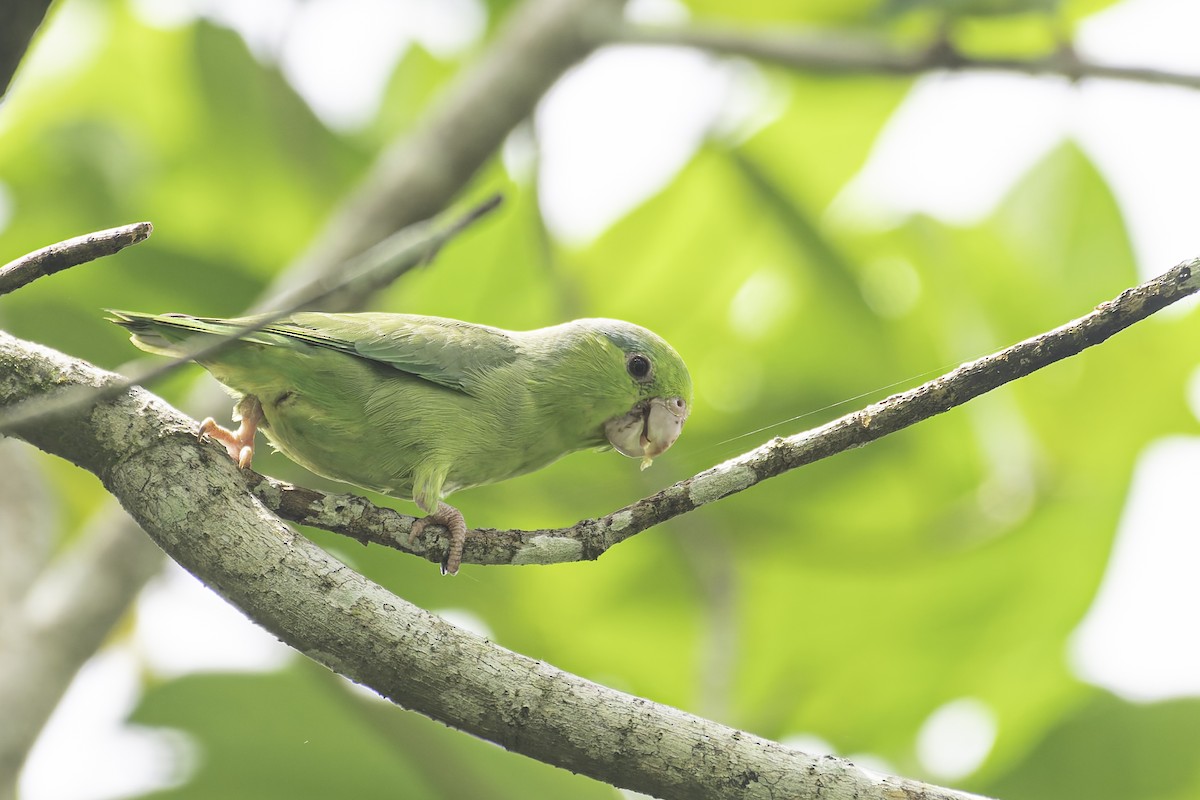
[832, 54]
[358, 518]
[70, 253]
[192, 501]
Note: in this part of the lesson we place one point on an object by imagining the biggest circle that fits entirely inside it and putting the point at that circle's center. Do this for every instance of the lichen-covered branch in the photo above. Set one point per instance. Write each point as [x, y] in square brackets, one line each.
[588, 539]
[841, 54]
[192, 501]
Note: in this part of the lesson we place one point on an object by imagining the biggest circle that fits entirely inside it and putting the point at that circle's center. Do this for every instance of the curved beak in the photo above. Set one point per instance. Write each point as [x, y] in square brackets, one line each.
[648, 429]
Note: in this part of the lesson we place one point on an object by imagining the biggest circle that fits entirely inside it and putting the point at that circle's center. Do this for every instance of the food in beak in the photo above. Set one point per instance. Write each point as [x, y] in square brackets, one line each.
[648, 429]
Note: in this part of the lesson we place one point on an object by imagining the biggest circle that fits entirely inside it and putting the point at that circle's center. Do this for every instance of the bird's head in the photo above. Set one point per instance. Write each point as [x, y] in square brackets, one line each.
[654, 386]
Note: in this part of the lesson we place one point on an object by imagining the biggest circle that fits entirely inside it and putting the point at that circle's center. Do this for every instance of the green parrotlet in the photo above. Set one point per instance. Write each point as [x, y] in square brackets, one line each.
[419, 407]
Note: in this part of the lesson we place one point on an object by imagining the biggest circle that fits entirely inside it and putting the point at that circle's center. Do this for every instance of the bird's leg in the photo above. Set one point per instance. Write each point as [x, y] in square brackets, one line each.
[240, 443]
[452, 520]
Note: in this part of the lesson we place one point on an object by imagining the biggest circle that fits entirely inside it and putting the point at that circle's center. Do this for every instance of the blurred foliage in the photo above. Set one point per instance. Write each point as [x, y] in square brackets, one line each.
[847, 600]
[337, 742]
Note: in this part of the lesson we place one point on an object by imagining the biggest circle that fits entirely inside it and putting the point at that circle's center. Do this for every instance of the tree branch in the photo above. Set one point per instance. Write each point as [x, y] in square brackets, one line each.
[28, 524]
[19, 21]
[192, 501]
[587, 539]
[421, 173]
[858, 55]
[61, 621]
[70, 253]
[382, 264]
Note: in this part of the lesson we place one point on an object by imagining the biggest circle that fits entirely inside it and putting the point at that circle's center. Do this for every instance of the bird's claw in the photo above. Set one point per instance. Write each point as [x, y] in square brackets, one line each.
[452, 520]
[239, 444]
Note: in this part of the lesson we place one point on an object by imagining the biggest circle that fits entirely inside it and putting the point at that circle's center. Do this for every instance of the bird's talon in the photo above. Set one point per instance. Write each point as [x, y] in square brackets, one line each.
[238, 444]
[452, 520]
[205, 427]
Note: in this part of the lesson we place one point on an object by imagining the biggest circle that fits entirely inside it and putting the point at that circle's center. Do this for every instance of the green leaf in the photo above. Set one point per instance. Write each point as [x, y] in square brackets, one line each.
[1107, 748]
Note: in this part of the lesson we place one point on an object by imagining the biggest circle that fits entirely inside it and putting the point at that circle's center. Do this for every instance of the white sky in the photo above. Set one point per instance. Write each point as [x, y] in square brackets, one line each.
[609, 141]
[1140, 637]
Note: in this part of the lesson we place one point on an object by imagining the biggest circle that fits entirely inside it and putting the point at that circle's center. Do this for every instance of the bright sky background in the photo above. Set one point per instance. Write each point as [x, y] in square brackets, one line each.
[614, 131]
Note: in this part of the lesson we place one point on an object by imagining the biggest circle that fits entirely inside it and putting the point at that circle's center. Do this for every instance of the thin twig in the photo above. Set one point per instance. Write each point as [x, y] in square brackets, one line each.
[70, 253]
[379, 266]
[358, 518]
[858, 55]
[376, 268]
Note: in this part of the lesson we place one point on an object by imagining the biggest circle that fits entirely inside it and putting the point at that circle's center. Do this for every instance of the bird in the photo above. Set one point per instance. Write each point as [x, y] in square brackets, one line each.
[418, 407]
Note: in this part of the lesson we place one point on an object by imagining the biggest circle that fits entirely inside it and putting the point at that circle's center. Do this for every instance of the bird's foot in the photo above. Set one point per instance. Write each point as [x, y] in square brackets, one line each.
[240, 443]
[452, 520]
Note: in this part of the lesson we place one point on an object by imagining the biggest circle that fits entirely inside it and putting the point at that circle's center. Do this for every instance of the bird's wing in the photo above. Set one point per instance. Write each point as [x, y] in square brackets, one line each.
[444, 351]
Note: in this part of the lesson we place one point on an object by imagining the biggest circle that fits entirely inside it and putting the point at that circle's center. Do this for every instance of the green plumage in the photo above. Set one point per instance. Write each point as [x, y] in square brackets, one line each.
[419, 407]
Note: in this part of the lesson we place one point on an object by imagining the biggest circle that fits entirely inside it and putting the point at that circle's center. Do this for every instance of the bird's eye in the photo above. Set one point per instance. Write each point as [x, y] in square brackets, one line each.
[638, 366]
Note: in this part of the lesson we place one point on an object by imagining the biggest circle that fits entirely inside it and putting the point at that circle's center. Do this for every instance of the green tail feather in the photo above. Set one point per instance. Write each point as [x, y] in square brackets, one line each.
[163, 333]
